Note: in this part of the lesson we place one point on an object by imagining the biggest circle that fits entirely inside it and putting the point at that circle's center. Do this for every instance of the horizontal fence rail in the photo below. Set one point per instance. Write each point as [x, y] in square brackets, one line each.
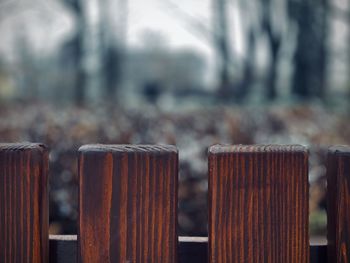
[258, 206]
[63, 249]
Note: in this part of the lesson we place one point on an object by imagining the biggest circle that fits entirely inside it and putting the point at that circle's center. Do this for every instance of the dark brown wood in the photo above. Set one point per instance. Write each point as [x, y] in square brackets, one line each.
[128, 204]
[24, 210]
[63, 249]
[258, 204]
[338, 206]
[193, 249]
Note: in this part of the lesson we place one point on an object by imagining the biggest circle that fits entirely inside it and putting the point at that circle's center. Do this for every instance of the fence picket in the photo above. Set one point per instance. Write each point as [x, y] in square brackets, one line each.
[128, 204]
[258, 204]
[338, 204]
[24, 211]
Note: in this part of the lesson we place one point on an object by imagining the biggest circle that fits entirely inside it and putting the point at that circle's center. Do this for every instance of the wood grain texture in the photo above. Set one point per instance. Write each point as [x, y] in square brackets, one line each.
[258, 204]
[338, 204]
[128, 204]
[24, 210]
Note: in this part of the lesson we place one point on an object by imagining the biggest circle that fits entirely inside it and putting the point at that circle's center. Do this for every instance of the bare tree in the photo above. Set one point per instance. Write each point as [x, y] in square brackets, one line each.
[112, 48]
[248, 68]
[249, 28]
[76, 44]
[274, 37]
[219, 39]
[222, 44]
[310, 58]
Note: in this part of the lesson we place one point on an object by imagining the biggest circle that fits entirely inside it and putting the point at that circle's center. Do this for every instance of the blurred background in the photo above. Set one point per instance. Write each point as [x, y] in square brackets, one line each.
[186, 72]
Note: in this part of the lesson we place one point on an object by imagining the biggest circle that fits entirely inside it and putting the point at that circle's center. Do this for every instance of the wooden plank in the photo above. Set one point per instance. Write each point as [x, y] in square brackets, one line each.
[193, 249]
[24, 211]
[128, 203]
[63, 249]
[338, 204]
[258, 204]
[318, 251]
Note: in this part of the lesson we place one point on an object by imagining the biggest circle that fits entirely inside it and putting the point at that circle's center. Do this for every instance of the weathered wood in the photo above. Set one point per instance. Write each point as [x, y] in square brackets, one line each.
[338, 204]
[63, 249]
[24, 211]
[258, 204]
[128, 204]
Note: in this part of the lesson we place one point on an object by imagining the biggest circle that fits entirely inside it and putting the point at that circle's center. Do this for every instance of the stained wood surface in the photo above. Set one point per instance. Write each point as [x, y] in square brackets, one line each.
[24, 203]
[128, 204]
[338, 204]
[258, 204]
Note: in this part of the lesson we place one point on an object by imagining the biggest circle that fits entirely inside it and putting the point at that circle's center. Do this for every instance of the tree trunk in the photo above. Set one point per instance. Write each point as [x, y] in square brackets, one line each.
[248, 71]
[222, 46]
[310, 58]
[274, 37]
[271, 79]
[77, 44]
[302, 67]
[321, 63]
[111, 72]
[80, 81]
[112, 48]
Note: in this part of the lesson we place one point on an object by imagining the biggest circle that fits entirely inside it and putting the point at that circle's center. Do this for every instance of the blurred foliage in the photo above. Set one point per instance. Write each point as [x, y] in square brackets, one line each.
[318, 221]
[193, 131]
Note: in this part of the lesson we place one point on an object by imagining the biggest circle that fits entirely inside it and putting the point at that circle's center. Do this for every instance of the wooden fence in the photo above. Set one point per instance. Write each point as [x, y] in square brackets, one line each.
[257, 195]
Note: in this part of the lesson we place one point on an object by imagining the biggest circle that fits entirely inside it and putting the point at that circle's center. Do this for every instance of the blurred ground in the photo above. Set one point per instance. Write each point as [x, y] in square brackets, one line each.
[65, 129]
